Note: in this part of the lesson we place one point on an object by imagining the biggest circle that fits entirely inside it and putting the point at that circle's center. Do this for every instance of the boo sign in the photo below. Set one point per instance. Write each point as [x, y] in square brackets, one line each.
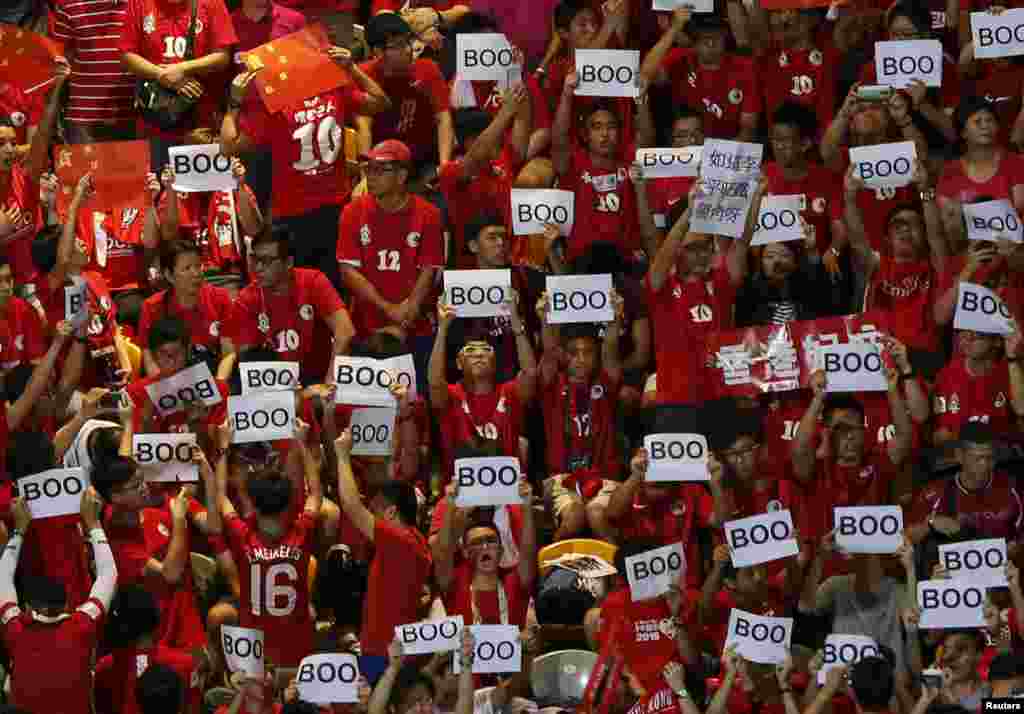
[430, 636]
[532, 209]
[761, 539]
[653, 572]
[845, 650]
[980, 310]
[485, 56]
[328, 679]
[487, 481]
[998, 35]
[166, 457]
[608, 73]
[950, 604]
[764, 640]
[57, 492]
[900, 62]
[884, 165]
[201, 168]
[981, 562]
[676, 457]
[478, 293]
[579, 298]
[189, 386]
[243, 649]
[869, 529]
[853, 367]
[993, 221]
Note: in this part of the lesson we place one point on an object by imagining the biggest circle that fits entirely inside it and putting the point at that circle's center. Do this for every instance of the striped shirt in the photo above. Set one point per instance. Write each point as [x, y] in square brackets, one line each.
[100, 88]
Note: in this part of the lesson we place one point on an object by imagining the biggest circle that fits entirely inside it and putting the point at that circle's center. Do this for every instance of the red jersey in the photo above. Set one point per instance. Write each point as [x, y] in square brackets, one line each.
[497, 416]
[905, 293]
[663, 193]
[417, 97]
[205, 320]
[819, 191]
[875, 206]
[683, 313]
[864, 485]
[780, 422]
[648, 638]
[605, 204]
[663, 701]
[114, 245]
[176, 422]
[956, 185]
[960, 397]
[391, 250]
[467, 195]
[400, 568]
[22, 193]
[54, 659]
[993, 510]
[207, 219]
[21, 334]
[308, 145]
[806, 77]
[117, 673]
[458, 600]
[581, 427]
[1001, 83]
[24, 110]
[274, 579]
[285, 322]
[773, 604]
[725, 93]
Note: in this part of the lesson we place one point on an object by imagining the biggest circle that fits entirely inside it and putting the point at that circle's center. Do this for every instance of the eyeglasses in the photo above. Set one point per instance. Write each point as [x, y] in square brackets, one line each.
[737, 454]
[478, 350]
[375, 169]
[263, 261]
[485, 542]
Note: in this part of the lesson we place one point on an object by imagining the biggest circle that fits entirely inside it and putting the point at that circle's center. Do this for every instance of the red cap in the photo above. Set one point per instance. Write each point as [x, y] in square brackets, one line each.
[390, 150]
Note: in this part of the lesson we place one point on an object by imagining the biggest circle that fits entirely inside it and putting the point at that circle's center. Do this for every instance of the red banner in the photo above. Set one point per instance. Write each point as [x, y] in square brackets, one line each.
[26, 58]
[118, 169]
[295, 67]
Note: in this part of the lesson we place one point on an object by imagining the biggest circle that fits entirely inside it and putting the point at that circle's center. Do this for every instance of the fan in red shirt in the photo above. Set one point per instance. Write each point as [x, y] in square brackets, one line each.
[1000, 81]
[401, 562]
[23, 111]
[389, 244]
[21, 334]
[294, 311]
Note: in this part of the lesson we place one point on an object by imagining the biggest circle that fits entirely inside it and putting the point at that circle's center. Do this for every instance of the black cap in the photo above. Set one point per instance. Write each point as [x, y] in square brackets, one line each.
[385, 25]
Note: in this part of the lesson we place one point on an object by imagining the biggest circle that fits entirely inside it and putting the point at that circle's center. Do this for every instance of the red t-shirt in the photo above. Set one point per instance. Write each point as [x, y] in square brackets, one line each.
[205, 320]
[580, 423]
[24, 110]
[468, 196]
[605, 204]
[206, 218]
[497, 415]
[114, 246]
[117, 673]
[274, 580]
[416, 99]
[400, 568]
[683, 313]
[724, 93]
[806, 77]
[875, 206]
[864, 485]
[648, 640]
[307, 142]
[22, 193]
[663, 193]
[717, 628]
[960, 397]
[779, 427]
[995, 510]
[956, 185]
[21, 334]
[1001, 83]
[457, 600]
[391, 250]
[905, 293]
[820, 190]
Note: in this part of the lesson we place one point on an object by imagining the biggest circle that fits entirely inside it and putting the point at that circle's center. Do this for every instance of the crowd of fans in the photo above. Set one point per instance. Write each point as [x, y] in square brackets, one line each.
[351, 205]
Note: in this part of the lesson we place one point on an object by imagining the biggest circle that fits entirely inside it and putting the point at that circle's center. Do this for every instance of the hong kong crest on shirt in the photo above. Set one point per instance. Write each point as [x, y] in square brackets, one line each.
[149, 24]
[866, 473]
[17, 118]
[597, 391]
[691, 79]
[199, 25]
[263, 322]
[954, 404]
[667, 628]
[815, 57]
[1000, 400]
[736, 95]
[783, 59]
[364, 235]
[215, 328]
[306, 312]
[818, 205]
[413, 239]
[774, 505]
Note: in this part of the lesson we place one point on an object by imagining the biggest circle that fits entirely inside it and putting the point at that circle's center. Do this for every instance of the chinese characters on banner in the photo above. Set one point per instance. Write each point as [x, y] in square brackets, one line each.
[729, 173]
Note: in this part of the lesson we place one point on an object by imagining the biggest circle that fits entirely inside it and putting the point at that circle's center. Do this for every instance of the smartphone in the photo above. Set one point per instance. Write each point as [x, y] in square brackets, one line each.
[874, 93]
[931, 678]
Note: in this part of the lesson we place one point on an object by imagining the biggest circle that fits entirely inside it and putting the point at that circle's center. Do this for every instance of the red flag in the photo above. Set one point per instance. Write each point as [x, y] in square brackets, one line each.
[118, 168]
[26, 58]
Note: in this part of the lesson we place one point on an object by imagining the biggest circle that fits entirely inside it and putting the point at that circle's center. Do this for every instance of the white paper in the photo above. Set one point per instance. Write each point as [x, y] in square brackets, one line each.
[363, 381]
[950, 604]
[669, 162]
[165, 457]
[191, 385]
[845, 650]
[650, 574]
[869, 529]
[328, 679]
[487, 481]
[57, 492]
[764, 640]
[898, 62]
[243, 649]
[485, 56]
[403, 367]
[676, 457]
[694, 5]
[268, 376]
[998, 35]
[76, 303]
[263, 416]
[884, 165]
[430, 636]
[980, 310]
[980, 562]
[778, 221]
[993, 221]
[478, 293]
[498, 650]
[728, 178]
[853, 367]
[761, 539]
[200, 168]
[533, 208]
[608, 73]
[373, 431]
[579, 298]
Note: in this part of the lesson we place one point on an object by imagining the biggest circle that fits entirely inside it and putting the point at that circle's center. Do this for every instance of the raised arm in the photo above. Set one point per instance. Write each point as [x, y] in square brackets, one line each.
[491, 138]
[524, 351]
[232, 140]
[437, 368]
[864, 258]
[444, 549]
[611, 363]
[376, 100]
[9, 560]
[528, 546]
[84, 190]
[172, 567]
[106, 570]
[20, 409]
[651, 70]
[561, 127]
[736, 260]
[803, 442]
[668, 254]
[38, 157]
[902, 441]
[380, 699]
[348, 491]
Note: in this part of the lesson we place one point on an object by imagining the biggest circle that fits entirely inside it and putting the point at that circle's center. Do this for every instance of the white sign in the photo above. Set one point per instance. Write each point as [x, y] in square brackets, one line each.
[764, 640]
[189, 386]
[669, 162]
[498, 650]
[263, 416]
[76, 304]
[845, 650]
[487, 481]
[779, 220]
[166, 457]
[980, 310]
[884, 165]
[676, 457]
[485, 56]
[430, 636]
[993, 220]
[363, 381]
[268, 376]
[761, 539]
[373, 431]
[980, 562]
[201, 168]
[328, 679]
[998, 35]
[694, 5]
[728, 177]
[950, 604]
[478, 293]
[579, 298]
[869, 529]
[243, 649]
[853, 367]
[608, 73]
[57, 492]
[534, 208]
[652, 573]
[898, 62]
